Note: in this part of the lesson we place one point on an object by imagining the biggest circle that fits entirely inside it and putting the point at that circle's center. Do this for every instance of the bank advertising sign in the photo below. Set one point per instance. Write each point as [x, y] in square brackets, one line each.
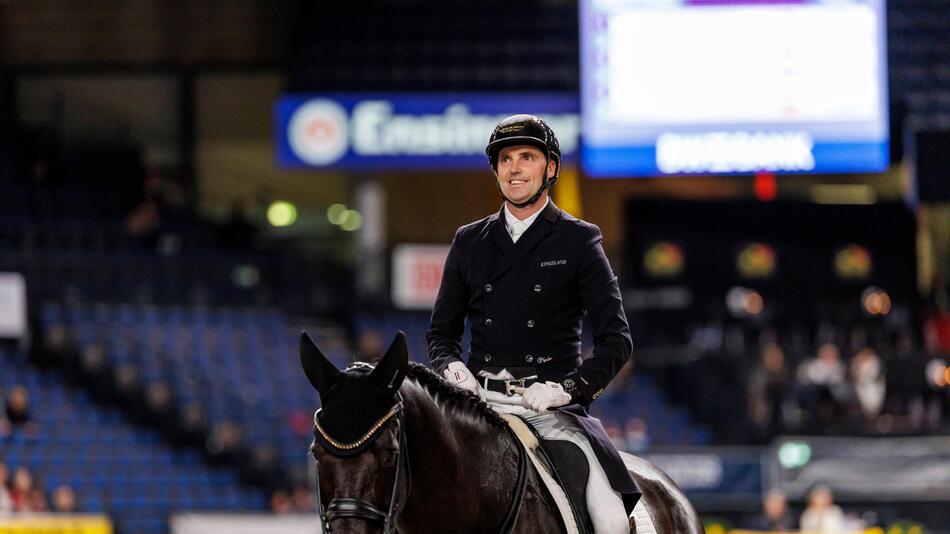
[372, 131]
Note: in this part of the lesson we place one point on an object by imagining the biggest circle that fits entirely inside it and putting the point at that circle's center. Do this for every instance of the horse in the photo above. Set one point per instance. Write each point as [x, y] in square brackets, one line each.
[400, 450]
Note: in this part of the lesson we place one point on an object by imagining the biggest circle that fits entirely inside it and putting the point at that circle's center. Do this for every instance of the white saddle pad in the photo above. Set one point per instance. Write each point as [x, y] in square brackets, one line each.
[530, 442]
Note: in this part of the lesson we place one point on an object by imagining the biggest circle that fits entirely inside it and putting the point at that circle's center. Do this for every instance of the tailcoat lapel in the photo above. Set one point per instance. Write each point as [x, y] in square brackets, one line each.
[513, 252]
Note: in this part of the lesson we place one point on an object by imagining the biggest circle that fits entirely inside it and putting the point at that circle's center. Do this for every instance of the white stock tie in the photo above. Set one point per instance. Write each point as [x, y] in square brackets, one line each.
[517, 228]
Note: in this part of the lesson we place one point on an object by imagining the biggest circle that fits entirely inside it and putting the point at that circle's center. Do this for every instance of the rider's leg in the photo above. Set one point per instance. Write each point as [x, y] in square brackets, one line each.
[604, 505]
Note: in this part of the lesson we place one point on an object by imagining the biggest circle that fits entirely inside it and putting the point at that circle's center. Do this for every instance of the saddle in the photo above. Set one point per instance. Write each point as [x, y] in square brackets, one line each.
[564, 469]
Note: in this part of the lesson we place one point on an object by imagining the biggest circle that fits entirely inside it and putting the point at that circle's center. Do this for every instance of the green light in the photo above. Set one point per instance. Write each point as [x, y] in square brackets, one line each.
[336, 214]
[794, 454]
[281, 213]
[352, 220]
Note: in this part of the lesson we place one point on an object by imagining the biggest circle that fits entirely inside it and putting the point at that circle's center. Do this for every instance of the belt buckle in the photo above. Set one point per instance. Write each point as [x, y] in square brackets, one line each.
[510, 385]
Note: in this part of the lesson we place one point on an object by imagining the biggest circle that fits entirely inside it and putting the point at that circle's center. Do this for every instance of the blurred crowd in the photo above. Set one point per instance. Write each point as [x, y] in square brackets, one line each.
[820, 514]
[19, 491]
[843, 378]
[845, 388]
[298, 500]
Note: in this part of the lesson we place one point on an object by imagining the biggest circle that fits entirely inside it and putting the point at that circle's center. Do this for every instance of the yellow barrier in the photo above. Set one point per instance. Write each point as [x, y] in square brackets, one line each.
[54, 524]
[874, 530]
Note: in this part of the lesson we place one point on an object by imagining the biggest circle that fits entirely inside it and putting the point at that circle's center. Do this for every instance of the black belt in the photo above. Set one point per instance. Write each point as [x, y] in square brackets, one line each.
[506, 386]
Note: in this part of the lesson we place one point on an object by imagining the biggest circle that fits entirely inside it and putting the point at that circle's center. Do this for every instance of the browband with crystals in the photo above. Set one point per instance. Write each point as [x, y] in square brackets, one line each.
[363, 440]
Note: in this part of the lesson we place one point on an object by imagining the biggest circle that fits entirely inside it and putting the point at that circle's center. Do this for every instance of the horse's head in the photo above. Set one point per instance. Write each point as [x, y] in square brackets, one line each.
[359, 434]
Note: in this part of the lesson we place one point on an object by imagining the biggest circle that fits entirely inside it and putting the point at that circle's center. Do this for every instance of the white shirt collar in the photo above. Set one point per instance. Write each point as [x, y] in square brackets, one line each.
[510, 220]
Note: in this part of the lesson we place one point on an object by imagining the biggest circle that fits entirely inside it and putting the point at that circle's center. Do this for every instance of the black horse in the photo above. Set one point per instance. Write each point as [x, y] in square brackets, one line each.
[401, 450]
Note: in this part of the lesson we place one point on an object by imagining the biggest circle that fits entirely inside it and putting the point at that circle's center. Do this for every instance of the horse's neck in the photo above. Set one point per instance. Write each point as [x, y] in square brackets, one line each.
[449, 450]
[446, 434]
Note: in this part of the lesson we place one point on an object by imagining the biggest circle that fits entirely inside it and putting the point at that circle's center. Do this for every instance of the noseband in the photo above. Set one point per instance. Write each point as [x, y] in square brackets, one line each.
[350, 507]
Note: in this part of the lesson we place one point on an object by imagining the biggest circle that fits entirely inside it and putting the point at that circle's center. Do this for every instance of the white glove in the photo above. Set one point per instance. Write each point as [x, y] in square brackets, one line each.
[458, 375]
[541, 396]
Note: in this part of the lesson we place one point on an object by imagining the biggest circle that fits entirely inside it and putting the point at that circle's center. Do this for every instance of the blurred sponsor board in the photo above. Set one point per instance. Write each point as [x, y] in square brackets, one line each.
[55, 524]
[416, 275]
[862, 469]
[244, 524]
[12, 305]
[716, 476]
[400, 131]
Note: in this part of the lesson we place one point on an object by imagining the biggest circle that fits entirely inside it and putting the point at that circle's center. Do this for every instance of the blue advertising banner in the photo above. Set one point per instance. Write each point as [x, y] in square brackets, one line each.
[714, 476]
[369, 131]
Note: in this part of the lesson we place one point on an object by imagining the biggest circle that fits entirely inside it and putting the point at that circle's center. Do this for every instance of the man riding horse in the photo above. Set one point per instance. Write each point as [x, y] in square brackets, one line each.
[525, 277]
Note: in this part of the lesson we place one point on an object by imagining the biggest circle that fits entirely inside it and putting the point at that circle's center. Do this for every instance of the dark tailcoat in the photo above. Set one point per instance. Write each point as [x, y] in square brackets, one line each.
[525, 302]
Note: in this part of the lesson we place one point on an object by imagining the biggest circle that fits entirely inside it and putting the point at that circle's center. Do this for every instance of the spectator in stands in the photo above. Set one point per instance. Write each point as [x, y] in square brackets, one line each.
[824, 388]
[303, 500]
[775, 515]
[174, 199]
[822, 514]
[6, 504]
[239, 233]
[38, 502]
[192, 426]
[160, 406]
[280, 503]
[18, 410]
[768, 391]
[5, 427]
[127, 386]
[369, 346]
[224, 443]
[64, 500]
[636, 435]
[906, 381]
[17, 407]
[21, 490]
[142, 223]
[615, 433]
[94, 369]
[867, 379]
[936, 399]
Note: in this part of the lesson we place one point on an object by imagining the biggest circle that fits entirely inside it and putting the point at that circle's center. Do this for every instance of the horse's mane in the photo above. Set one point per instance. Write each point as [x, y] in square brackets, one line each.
[449, 395]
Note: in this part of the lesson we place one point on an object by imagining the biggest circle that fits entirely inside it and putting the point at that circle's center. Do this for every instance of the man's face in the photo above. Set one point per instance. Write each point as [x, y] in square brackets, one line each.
[520, 171]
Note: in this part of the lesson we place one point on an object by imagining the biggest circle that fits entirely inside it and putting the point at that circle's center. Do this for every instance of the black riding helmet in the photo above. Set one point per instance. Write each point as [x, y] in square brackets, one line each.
[525, 130]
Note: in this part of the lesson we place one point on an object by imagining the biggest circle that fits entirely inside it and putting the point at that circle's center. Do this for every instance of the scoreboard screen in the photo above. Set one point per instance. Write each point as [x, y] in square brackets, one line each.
[672, 87]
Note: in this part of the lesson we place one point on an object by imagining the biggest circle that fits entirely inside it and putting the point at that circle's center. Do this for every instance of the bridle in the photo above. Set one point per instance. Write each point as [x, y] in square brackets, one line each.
[351, 507]
[346, 507]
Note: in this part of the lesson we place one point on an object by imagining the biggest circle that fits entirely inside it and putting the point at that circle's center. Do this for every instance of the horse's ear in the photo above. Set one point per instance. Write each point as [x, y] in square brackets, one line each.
[319, 370]
[392, 367]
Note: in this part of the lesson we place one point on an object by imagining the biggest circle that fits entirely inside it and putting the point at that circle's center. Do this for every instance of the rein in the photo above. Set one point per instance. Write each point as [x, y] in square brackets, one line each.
[350, 507]
[509, 523]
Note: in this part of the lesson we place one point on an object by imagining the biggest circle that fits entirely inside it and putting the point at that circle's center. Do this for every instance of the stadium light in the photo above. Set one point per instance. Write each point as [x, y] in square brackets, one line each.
[744, 302]
[336, 214]
[352, 221]
[281, 213]
[876, 302]
[937, 373]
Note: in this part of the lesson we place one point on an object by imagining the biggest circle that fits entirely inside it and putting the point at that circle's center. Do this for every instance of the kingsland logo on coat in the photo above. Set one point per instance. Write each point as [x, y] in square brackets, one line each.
[408, 131]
